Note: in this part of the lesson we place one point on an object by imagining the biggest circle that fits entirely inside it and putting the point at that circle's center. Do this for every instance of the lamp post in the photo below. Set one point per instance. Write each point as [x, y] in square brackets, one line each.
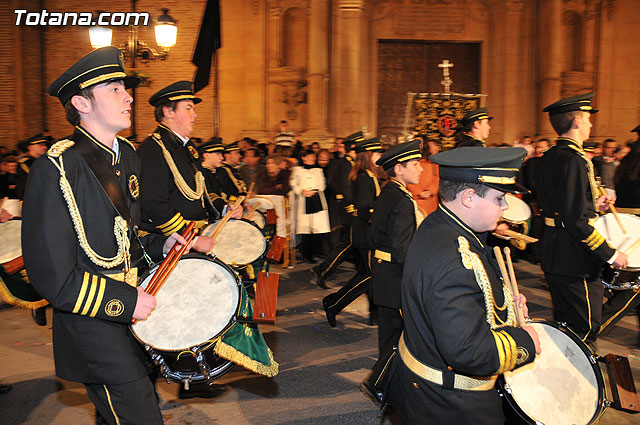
[166, 34]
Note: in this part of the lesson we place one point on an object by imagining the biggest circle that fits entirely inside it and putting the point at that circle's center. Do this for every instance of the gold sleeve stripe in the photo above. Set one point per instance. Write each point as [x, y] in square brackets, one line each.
[171, 222]
[339, 196]
[594, 240]
[177, 226]
[83, 291]
[214, 196]
[500, 348]
[508, 356]
[96, 305]
[513, 349]
[90, 297]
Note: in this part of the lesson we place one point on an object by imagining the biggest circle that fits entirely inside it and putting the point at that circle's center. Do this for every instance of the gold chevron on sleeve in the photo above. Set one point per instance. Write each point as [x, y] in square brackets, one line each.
[501, 352]
[98, 302]
[83, 291]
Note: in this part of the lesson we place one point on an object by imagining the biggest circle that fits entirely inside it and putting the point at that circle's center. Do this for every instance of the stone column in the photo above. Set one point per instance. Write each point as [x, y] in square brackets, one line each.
[318, 71]
[255, 119]
[275, 39]
[550, 30]
[347, 113]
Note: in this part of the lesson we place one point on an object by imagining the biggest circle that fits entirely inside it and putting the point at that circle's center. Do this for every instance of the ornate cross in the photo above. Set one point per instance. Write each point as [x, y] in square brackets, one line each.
[447, 82]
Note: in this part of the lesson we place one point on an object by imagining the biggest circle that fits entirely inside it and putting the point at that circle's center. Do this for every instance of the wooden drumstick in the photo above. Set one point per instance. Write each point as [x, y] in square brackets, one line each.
[520, 236]
[507, 281]
[165, 263]
[613, 210]
[173, 264]
[251, 186]
[2, 201]
[224, 220]
[514, 287]
[632, 248]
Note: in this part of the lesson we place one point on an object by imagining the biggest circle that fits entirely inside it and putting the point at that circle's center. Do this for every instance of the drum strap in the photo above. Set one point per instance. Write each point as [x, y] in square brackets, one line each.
[446, 379]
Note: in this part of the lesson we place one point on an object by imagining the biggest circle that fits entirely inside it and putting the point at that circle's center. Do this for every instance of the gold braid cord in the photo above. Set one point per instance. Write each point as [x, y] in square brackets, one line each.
[471, 261]
[119, 228]
[182, 185]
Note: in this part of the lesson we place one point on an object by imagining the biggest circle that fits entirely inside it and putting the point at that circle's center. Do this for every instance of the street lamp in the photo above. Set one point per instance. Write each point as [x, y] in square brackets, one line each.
[166, 34]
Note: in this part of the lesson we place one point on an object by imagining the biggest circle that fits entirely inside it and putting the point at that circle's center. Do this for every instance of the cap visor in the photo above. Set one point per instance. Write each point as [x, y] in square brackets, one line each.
[508, 188]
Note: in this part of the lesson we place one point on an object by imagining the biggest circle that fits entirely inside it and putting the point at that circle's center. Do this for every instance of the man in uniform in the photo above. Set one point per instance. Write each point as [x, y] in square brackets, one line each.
[573, 251]
[393, 222]
[211, 156]
[474, 128]
[460, 328]
[231, 182]
[171, 181]
[80, 242]
[340, 209]
[35, 147]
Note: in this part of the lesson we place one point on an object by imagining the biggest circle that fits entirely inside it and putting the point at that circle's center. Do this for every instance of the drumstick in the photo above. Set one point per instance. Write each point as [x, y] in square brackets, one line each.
[226, 218]
[2, 201]
[505, 275]
[523, 237]
[173, 264]
[629, 250]
[167, 260]
[251, 186]
[514, 287]
[613, 210]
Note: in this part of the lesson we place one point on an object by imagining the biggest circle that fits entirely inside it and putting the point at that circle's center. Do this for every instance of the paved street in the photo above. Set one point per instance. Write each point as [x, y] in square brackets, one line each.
[320, 366]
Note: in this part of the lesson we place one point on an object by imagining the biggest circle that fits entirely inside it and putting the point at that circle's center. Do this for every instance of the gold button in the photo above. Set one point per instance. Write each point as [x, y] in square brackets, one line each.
[118, 173]
[415, 385]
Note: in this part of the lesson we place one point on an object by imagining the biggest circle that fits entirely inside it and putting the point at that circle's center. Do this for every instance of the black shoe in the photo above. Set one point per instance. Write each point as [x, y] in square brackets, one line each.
[5, 389]
[331, 316]
[201, 391]
[317, 279]
[378, 398]
[39, 316]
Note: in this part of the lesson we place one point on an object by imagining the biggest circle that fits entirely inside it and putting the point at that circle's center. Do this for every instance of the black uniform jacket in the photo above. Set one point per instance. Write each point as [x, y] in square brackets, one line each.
[164, 208]
[213, 188]
[566, 192]
[231, 183]
[445, 326]
[628, 185]
[392, 225]
[339, 191]
[92, 342]
[365, 189]
[469, 140]
[24, 166]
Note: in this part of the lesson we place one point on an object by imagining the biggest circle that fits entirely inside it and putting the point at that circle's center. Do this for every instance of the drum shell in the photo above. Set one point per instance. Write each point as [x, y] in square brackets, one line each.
[624, 279]
[513, 411]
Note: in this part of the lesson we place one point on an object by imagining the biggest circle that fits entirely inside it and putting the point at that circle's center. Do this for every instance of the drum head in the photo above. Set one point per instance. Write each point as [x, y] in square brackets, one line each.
[11, 246]
[517, 211]
[257, 218]
[562, 386]
[196, 304]
[608, 227]
[240, 242]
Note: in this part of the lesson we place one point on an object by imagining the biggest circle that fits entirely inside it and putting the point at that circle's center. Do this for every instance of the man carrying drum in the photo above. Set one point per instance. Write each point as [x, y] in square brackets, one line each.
[573, 251]
[80, 242]
[460, 322]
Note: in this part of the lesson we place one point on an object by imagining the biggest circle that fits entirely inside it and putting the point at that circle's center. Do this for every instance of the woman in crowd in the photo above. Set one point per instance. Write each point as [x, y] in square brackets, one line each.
[426, 191]
[312, 214]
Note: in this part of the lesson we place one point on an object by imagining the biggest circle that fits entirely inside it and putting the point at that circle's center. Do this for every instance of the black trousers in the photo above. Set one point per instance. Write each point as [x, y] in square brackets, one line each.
[617, 307]
[358, 284]
[390, 327]
[134, 403]
[577, 301]
[339, 252]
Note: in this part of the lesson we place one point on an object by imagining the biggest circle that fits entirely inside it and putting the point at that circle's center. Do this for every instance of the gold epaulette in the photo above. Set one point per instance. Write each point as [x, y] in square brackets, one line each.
[59, 147]
[125, 141]
[156, 136]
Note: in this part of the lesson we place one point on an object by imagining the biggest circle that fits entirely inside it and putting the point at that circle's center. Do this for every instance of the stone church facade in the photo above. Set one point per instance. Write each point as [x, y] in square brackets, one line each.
[332, 67]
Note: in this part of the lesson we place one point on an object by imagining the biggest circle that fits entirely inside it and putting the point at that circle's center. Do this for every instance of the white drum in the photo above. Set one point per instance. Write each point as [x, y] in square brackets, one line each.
[239, 243]
[257, 217]
[197, 303]
[261, 204]
[517, 211]
[564, 385]
[11, 246]
[608, 227]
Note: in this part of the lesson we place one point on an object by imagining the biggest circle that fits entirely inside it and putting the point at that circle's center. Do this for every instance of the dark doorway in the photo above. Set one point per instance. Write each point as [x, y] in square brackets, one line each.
[412, 66]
